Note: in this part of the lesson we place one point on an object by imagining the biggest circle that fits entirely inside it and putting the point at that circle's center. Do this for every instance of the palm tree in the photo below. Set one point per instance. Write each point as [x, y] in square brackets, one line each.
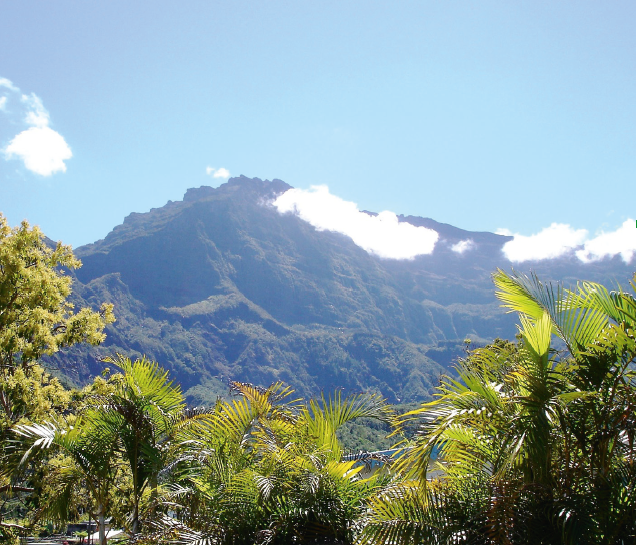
[270, 468]
[140, 416]
[91, 450]
[148, 415]
[536, 445]
[139, 413]
[596, 462]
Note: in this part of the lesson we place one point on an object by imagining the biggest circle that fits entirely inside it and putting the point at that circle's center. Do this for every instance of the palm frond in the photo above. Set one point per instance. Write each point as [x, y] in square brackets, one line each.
[578, 317]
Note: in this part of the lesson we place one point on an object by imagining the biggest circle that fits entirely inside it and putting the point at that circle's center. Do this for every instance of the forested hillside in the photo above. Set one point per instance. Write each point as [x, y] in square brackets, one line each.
[221, 286]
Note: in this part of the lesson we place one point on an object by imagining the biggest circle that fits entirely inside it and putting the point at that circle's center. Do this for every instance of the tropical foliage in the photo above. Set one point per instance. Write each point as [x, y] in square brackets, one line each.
[530, 442]
[536, 444]
[35, 319]
[271, 469]
[260, 468]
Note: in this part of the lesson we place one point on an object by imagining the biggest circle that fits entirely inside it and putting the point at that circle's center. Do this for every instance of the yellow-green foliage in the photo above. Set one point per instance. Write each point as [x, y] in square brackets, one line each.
[32, 396]
[35, 316]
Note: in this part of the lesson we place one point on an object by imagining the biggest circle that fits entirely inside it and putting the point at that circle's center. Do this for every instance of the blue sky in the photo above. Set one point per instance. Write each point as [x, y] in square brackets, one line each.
[485, 115]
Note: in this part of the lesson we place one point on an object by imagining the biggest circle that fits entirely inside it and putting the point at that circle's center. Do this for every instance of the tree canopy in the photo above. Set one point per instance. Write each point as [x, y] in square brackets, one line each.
[534, 444]
[531, 442]
[36, 317]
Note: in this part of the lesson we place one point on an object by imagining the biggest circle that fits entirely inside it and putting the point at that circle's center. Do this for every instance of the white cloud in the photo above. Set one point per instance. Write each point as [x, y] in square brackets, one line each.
[223, 173]
[551, 242]
[36, 115]
[41, 149]
[4, 82]
[464, 245]
[560, 239]
[382, 235]
[622, 242]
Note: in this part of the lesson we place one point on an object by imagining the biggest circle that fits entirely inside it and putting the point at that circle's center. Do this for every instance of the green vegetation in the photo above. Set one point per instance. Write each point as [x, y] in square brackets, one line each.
[222, 287]
[526, 444]
[535, 445]
[35, 319]
[262, 466]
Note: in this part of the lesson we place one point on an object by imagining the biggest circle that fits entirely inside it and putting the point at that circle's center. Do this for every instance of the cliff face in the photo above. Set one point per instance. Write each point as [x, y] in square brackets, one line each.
[220, 286]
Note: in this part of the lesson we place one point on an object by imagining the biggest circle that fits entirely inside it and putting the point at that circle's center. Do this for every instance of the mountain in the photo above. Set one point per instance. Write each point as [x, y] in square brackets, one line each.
[222, 286]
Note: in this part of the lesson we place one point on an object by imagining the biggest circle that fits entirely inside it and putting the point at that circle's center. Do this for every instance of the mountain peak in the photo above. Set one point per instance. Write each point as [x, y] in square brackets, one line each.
[221, 286]
[265, 188]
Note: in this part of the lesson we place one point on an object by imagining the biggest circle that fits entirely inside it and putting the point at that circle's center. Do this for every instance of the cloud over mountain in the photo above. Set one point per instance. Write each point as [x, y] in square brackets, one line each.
[622, 242]
[463, 246]
[218, 173]
[382, 234]
[387, 237]
[41, 149]
[560, 239]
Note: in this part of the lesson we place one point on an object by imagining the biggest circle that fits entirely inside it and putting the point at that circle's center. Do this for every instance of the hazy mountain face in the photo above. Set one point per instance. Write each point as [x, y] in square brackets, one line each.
[222, 285]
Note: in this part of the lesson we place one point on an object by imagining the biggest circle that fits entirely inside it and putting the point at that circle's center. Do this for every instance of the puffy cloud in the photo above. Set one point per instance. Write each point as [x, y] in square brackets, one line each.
[551, 242]
[223, 173]
[382, 235]
[560, 239]
[464, 245]
[41, 149]
[622, 242]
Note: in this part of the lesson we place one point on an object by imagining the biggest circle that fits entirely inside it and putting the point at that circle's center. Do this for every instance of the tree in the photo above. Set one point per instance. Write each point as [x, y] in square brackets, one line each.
[35, 316]
[268, 468]
[67, 481]
[146, 414]
[90, 449]
[35, 319]
[35, 396]
[536, 445]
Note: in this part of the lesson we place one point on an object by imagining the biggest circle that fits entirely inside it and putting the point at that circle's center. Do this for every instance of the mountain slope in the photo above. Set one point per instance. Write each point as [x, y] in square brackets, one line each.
[221, 285]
